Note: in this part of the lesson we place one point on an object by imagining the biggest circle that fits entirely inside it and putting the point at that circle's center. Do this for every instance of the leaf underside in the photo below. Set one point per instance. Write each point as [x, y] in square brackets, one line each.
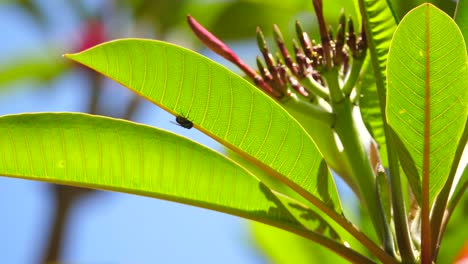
[427, 91]
[104, 153]
[218, 102]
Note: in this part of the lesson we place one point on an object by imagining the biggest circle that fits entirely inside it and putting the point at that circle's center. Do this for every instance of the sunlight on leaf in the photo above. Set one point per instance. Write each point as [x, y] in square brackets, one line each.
[110, 154]
[218, 102]
[427, 91]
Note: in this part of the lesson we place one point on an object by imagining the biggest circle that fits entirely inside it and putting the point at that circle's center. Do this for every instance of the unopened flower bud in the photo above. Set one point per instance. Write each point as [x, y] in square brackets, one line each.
[351, 39]
[284, 51]
[339, 43]
[264, 71]
[264, 49]
[216, 45]
[362, 43]
[323, 32]
[304, 39]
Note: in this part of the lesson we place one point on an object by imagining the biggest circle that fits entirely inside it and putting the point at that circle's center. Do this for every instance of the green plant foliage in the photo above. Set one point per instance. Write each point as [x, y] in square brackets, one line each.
[104, 153]
[427, 91]
[109, 154]
[299, 209]
[380, 25]
[219, 103]
[275, 242]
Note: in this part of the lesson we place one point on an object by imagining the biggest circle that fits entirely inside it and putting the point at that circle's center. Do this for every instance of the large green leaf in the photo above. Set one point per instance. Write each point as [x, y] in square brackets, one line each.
[117, 155]
[427, 91]
[380, 25]
[105, 153]
[219, 103]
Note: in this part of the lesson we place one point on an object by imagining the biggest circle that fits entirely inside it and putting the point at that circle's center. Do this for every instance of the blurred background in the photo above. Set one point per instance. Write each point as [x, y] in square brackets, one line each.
[41, 222]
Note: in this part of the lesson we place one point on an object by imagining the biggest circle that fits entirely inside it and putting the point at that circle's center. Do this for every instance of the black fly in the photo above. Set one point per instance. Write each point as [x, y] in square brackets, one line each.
[184, 122]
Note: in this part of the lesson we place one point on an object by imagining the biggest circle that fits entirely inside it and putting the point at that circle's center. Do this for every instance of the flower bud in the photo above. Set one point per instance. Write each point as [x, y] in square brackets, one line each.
[284, 51]
[304, 39]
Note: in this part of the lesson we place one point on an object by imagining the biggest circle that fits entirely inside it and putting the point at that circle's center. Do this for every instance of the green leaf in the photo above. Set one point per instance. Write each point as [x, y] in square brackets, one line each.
[309, 218]
[380, 25]
[117, 155]
[275, 242]
[461, 17]
[219, 103]
[300, 207]
[427, 91]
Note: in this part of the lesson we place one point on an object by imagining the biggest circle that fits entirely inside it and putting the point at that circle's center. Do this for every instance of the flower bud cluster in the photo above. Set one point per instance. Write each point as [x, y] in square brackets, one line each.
[278, 73]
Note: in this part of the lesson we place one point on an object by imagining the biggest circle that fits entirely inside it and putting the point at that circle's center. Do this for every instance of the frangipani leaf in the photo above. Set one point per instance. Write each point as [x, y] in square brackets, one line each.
[427, 91]
[117, 155]
[219, 103]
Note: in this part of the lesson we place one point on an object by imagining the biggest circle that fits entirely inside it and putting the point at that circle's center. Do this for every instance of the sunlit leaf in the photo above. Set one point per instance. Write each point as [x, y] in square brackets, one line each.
[427, 91]
[104, 153]
[219, 103]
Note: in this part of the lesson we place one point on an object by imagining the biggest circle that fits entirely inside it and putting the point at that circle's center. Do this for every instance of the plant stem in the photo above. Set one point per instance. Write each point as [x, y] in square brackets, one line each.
[331, 77]
[353, 75]
[359, 162]
[315, 87]
[400, 220]
[357, 158]
[314, 111]
[399, 211]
